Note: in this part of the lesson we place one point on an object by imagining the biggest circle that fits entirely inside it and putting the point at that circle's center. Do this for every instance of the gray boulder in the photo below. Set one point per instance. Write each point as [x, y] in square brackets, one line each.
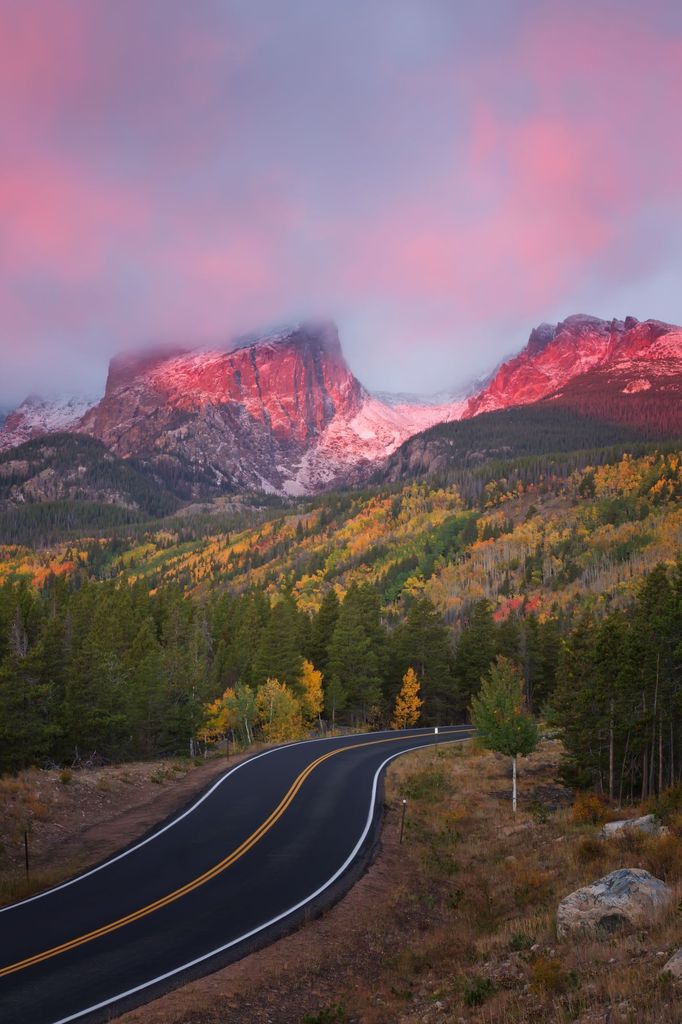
[674, 965]
[646, 824]
[626, 899]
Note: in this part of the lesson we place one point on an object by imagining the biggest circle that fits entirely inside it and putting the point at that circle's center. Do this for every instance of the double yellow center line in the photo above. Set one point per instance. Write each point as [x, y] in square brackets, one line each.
[217, 869]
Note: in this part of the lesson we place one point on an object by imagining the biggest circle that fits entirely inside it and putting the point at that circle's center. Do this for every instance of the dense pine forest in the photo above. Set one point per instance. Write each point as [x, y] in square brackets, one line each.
[152, 639]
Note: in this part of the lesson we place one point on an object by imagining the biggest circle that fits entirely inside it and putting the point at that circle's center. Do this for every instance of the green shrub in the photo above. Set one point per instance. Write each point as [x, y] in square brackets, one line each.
[429, 784]
[477, 991]
[330, 1015]
[520, 941]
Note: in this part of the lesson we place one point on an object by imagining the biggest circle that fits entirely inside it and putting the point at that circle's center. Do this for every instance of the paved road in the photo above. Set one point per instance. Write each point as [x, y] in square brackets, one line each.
[272, 841]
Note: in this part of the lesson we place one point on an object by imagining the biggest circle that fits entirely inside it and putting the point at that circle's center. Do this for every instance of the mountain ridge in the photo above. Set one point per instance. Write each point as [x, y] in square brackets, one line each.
[281, 412]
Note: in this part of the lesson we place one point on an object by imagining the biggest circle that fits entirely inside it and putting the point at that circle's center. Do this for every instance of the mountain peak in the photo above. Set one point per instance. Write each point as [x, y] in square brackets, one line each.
[557, 354]
[320, 333]
[279, 409]
[38, 415]
[127, 366]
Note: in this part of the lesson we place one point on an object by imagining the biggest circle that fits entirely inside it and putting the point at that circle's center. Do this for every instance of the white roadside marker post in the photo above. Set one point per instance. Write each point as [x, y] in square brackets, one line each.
[402, 821]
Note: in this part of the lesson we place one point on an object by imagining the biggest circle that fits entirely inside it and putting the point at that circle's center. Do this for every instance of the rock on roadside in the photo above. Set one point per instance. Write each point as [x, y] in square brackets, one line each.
[674, 965]
[627, 898]
[647, 824]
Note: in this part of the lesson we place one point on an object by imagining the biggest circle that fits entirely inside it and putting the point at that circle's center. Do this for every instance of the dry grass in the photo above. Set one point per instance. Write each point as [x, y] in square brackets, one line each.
[457, 924]
[73, 818]
[454, 925]
[497, 940]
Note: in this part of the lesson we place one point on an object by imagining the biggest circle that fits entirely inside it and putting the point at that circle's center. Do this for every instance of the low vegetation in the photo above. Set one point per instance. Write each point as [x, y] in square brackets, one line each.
[457, 923]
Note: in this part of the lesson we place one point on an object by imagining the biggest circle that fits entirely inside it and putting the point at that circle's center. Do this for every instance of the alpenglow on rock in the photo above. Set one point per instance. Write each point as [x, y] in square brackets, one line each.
[593, 366]
[626, 899]
[281, 411]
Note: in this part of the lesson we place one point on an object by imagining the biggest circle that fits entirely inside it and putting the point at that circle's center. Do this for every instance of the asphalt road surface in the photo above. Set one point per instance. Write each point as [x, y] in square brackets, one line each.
[271, 843]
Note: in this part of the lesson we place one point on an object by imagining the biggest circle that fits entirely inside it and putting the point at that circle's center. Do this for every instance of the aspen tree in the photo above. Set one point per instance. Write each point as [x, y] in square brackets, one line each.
[311, 691]
[408, 703]
[499, 716]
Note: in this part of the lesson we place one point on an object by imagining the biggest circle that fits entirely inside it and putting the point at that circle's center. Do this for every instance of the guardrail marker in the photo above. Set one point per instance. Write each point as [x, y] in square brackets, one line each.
[402, 821]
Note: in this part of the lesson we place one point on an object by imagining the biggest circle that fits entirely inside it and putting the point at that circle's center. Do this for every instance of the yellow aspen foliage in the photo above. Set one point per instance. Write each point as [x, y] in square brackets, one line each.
[408, 703]
[217, 718]
[278, 712]
[312, 697]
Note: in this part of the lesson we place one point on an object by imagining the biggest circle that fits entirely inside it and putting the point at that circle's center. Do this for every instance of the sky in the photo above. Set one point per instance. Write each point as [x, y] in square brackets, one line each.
[436, 176]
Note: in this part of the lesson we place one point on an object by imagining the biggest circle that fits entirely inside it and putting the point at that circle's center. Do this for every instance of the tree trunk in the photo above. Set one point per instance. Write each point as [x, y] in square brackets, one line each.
[645, 773]
[514, 784]
[622, 769]
[653, 723]
[659, 753]
[611, 754]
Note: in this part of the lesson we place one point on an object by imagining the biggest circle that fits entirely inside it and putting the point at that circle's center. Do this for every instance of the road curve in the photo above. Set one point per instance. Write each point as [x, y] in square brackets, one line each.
[273, 841]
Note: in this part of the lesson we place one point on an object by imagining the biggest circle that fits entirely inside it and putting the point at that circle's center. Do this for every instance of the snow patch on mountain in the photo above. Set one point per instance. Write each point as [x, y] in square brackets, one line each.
[37, 416]
[375, 432]
[641, 384]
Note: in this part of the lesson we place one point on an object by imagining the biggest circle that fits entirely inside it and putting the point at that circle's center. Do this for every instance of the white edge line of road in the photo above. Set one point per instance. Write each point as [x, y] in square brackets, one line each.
[274, 920]
[170, 824]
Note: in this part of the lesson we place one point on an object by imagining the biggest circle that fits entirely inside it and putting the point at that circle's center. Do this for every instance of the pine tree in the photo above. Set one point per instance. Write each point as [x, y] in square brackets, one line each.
[335, 699]
[279, 651]
[355, 655]
[499, 716]
[146, 706]
[323, 630]
[408, 702]
[474, 653]
[423, 643]
[573, 704]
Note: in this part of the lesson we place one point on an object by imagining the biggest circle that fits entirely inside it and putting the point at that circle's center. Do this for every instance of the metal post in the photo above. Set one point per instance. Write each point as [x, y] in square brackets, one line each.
[26, 851]
[402, 821]
[435, 733]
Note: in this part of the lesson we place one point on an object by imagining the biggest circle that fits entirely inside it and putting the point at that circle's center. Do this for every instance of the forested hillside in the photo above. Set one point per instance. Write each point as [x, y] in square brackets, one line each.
[101, 650]
[545, 428]
[68, 482]
[548, 536]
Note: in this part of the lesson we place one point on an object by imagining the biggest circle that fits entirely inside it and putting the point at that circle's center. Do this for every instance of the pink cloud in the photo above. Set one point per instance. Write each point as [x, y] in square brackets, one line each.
[540, 192]
[55, 220]
[206, 172]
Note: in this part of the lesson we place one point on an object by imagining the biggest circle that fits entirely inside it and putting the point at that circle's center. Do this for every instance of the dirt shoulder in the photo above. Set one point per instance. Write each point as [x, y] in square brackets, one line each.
[456, 924]
[76, 819]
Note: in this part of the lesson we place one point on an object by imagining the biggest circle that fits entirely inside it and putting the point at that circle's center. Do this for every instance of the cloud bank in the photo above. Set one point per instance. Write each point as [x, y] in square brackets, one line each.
[436, 178]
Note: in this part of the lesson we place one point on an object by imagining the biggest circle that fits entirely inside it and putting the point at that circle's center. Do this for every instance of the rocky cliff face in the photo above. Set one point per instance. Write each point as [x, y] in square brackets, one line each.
[633, 354]
[281, 413]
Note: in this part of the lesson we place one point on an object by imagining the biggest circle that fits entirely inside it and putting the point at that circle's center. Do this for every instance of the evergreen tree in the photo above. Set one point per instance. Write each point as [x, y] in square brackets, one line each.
[423, 643]
[573, 704]
[355, 654]
[474, 653]
[323, 630]
[279, 652]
